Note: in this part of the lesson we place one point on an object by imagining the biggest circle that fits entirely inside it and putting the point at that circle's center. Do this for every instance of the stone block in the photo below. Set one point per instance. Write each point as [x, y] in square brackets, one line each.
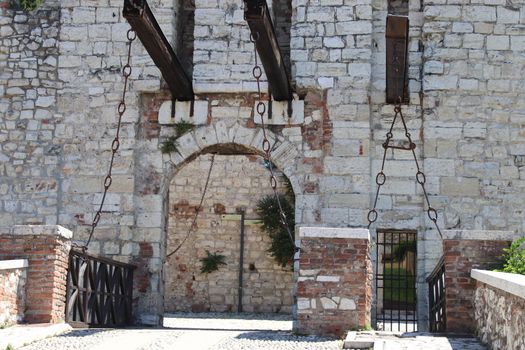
[508, 15]
[453, 186]
[474, 13]
[350, 165]
[183, 112]
[498, 42]
[280, 113]
[440, 82]
[441, 12]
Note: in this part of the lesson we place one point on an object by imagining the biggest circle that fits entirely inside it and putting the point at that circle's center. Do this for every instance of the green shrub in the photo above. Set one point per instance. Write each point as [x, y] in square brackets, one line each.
[212, 262]
[404, 247]
[281, 247]
[514, 257]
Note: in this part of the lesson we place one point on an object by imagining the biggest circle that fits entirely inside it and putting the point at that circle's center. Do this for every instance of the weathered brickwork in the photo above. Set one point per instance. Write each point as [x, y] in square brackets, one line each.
[236, 182]
[334, 286]
[47, 250]
[499, 317]
[12, 293]
[461, 256]
[61, 82]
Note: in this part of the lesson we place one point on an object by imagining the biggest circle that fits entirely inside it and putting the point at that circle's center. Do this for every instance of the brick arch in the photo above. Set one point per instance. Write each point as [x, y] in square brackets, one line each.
[233, 139]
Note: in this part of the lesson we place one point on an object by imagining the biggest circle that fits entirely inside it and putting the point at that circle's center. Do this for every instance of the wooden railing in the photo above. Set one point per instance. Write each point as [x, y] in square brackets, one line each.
[99, 291]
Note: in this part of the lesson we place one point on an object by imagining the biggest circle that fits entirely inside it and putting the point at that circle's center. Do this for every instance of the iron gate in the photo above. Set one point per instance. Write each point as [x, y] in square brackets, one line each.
[99, 291]
[436, 298]
[396, 299]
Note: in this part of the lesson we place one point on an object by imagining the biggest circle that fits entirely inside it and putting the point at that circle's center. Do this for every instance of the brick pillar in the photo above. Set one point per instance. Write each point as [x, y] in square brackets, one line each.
[465, 250]
[47, 250]
[334, 285]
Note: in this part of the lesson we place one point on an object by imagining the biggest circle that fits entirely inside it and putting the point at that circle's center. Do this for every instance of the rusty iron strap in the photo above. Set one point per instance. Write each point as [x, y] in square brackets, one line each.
[143, 22]
[396, 58]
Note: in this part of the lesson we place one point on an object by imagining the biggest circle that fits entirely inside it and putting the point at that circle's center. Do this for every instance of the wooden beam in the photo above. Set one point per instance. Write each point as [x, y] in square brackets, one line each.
[396, 59]
[142, 21]
[257, 15]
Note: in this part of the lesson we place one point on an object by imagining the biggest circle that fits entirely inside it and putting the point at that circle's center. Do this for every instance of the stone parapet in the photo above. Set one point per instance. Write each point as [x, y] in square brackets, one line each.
[499, 309]
[47, 249]
[463, 251]
[334, 283]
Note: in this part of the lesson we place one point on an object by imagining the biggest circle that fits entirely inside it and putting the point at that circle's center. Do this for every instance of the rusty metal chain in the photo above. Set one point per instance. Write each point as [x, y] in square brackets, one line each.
[420, 176]
[266, 146]
[115, 145]
[193, 225]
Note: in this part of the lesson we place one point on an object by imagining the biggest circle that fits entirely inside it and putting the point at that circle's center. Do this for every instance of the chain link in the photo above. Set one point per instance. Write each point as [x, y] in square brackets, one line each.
[115, 144]
[266, 145]
[420, 176]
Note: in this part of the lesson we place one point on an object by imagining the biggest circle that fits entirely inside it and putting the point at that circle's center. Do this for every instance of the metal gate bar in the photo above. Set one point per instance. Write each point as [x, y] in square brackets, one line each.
[99, 291]
[396, 281]
[436, 298]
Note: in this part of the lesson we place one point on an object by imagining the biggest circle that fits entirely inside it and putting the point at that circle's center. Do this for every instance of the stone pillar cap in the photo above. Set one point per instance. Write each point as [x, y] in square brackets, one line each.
[13, 264]
[334, 232]
[40, 230]
[480, 235]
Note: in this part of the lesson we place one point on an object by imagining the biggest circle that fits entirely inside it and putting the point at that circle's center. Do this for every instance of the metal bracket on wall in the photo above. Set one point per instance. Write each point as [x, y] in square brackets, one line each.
[397, 59]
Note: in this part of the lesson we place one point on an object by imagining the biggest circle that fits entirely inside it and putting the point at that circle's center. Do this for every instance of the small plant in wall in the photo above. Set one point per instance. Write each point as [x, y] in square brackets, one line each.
[281, 248]
[170, 145]
[212, 262]
[26, 5]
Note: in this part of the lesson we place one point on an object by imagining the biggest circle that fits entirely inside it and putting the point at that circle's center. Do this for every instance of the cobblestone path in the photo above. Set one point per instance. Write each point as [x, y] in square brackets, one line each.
[229, 332]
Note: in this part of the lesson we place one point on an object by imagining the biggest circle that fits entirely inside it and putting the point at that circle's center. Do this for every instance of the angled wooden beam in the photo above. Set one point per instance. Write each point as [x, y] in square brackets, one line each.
[257, 15]
[142, 21]
[396, 59]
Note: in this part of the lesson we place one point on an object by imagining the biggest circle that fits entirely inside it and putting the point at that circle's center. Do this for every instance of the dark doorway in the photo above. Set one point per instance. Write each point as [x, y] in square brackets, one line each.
[396, 281]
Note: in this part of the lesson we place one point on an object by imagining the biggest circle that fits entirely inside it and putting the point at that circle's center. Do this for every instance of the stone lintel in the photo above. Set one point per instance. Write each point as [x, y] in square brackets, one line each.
[13, 264]
[333, 232]
[480, 235]
[40, 230]
[509, 282]
[183, 112]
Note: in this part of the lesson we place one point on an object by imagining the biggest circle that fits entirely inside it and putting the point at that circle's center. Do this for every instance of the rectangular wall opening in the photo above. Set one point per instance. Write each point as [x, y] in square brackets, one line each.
[395, 281]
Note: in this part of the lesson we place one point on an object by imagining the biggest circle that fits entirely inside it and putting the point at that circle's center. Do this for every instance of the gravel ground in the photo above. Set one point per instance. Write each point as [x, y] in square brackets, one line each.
[232, 332]
[84, 339]
[276, 341]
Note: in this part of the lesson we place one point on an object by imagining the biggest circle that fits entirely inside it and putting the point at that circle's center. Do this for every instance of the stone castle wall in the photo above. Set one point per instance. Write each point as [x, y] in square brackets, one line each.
[235, 182]
[465, 115]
